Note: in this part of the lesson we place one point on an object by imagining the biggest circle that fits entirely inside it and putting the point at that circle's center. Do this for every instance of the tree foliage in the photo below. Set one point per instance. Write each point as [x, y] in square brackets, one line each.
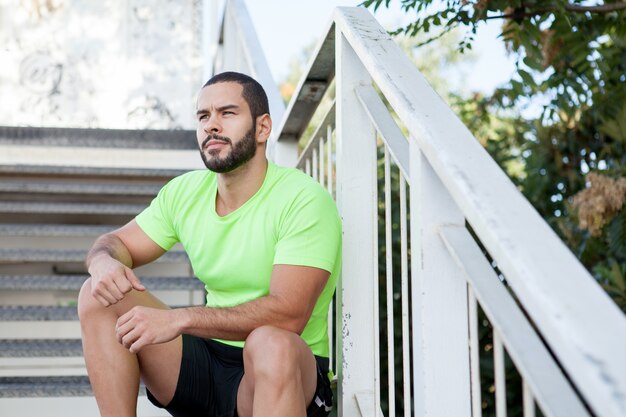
[567, 153]
[570, 78]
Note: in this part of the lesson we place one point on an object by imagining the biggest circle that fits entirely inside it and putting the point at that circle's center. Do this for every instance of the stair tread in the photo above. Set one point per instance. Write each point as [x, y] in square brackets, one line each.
[67, 255]
[70, 208]
[50, 386]
[74, 282]
[30, 348]
[78, 171]
[43, 313]
[30, 187]
[53, 230]
[38, 313]
[99, 138]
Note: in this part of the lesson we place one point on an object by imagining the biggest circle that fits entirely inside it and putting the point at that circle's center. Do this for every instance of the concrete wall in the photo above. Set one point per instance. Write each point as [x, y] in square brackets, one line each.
[108, 63]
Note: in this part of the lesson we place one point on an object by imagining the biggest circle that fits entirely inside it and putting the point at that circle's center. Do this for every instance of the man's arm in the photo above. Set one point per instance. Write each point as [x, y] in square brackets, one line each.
[294, 290]
[111, 258]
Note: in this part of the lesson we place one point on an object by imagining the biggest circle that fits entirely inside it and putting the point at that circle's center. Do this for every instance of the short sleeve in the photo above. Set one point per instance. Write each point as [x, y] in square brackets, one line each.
[157, 220]
[310, 231]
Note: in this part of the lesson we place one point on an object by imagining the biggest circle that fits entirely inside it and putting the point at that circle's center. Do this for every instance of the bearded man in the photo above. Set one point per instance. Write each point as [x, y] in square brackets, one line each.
[266, 242]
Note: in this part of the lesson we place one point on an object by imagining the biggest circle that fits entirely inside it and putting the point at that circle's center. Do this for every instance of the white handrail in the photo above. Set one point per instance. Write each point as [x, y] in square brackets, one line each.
[584, 328]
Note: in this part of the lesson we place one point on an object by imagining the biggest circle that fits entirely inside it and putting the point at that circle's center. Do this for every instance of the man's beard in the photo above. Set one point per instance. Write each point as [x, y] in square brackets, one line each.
[240, 153]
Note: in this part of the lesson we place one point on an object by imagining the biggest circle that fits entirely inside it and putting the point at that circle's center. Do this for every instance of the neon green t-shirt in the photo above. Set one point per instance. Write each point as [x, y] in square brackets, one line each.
[290, 220]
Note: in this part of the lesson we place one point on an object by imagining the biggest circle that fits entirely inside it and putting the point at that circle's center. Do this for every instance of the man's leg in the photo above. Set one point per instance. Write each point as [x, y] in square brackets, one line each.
[280, 375]
[113, 371]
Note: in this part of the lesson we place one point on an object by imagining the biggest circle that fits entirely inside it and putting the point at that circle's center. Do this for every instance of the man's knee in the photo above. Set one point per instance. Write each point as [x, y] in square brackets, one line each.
[272, 350]
[86, 301]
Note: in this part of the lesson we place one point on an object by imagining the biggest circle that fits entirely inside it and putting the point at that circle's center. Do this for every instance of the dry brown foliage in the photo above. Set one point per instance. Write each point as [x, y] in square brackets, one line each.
[599, 202]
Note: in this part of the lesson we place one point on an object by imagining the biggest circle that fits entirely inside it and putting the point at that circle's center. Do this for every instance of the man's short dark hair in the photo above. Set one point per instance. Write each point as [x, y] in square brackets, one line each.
[253, 92]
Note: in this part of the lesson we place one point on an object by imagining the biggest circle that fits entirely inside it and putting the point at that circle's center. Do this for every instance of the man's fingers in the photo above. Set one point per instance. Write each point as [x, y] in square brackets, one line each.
[122, 330]
[130, 338]
[123, 285]
[134, 281]
[124, 318]
[101, 292]
[101, 300]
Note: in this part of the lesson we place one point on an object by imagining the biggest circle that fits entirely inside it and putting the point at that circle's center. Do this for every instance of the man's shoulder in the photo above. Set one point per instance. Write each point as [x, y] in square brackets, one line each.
[293, 178]
[296, 190]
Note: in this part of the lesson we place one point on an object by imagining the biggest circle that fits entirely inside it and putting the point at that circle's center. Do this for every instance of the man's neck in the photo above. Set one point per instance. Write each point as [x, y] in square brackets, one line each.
[236, 187]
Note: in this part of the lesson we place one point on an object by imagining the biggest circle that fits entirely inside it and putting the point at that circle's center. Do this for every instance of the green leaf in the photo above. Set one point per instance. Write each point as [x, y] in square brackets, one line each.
[617, 277]
[533, 63]
[526, 77]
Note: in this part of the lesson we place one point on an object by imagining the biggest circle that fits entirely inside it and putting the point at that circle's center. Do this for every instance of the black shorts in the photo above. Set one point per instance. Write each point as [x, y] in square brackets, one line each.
[209, 378]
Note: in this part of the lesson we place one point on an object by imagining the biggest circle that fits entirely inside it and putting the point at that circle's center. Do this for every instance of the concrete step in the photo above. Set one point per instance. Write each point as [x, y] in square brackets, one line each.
[52, 230]
[38, 313]
[98, 138]
[28, 348]
[50, 236]
[65, 255]
[74, 282]
[39, 322]
[70, 213]
[106, 173]
[69, 191]
[55, 386]
[23, 261]
[67, 406]
[54, 236]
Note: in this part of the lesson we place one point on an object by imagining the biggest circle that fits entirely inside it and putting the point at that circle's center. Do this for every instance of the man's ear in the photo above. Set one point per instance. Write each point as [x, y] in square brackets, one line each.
[263, 128]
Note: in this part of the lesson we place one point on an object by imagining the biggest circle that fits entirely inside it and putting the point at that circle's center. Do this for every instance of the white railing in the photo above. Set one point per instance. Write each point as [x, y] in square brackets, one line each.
[563, 334]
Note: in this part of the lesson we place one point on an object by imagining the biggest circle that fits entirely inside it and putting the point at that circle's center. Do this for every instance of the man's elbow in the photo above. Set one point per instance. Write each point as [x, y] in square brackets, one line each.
[295, 324]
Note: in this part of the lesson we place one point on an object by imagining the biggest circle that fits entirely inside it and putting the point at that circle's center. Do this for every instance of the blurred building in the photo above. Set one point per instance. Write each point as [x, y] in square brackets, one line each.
[106, 64]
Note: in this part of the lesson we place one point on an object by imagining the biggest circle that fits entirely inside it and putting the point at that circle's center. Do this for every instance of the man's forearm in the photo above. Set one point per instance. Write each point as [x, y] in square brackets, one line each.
[110, 245]
[236, 323]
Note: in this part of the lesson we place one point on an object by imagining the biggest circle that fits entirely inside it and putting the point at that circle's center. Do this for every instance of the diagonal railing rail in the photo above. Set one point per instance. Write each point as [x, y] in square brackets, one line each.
[446, 216]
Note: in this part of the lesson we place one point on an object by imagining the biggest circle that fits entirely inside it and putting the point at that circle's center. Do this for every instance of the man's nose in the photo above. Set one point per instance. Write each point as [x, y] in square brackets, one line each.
[212, 125]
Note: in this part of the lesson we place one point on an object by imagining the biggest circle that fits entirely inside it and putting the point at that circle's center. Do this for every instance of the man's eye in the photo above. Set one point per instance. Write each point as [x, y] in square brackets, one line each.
[202, 117]
[228, 112]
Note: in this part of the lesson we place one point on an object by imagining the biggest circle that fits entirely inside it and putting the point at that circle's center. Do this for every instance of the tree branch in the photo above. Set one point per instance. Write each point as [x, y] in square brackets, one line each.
[575, 8]
[604, 8]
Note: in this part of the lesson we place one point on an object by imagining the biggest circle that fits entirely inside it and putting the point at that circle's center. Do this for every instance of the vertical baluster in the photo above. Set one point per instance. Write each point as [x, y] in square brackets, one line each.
[529, 400]
[357, 294]
[474, 353]
[329, 187]
[389, 272]
[404, 281]
[322, 171]
[331, 335]
[307, 166]
[329, 138]
[498, 360]
[441, 370]
[315, 165]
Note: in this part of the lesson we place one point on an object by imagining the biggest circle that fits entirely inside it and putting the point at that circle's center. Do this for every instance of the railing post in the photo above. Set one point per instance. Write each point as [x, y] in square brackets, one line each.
[357, 293]
[439, 300]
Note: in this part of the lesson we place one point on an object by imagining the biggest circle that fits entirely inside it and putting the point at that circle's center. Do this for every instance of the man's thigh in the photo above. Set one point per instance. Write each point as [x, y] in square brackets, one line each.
[210, 373]
[264, 354]
[159, 364]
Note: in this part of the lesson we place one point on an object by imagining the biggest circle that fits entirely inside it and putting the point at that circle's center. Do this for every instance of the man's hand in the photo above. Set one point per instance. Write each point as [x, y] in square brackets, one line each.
[143, 326]
[111, 280]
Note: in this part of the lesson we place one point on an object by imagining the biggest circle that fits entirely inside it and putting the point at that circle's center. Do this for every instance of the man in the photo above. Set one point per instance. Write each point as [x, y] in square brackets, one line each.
[266, 242]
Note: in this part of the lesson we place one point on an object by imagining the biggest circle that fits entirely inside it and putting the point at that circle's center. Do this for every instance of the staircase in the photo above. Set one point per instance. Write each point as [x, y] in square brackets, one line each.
[49, 217]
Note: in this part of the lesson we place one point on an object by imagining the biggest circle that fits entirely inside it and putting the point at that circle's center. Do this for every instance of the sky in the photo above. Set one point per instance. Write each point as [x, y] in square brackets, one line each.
[285, 27]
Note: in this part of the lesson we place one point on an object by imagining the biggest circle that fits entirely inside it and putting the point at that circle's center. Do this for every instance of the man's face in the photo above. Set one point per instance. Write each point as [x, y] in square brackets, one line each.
[226, 133]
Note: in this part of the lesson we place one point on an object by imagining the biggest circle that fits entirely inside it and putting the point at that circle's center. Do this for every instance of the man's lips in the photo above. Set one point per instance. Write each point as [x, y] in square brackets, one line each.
[215, 143]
